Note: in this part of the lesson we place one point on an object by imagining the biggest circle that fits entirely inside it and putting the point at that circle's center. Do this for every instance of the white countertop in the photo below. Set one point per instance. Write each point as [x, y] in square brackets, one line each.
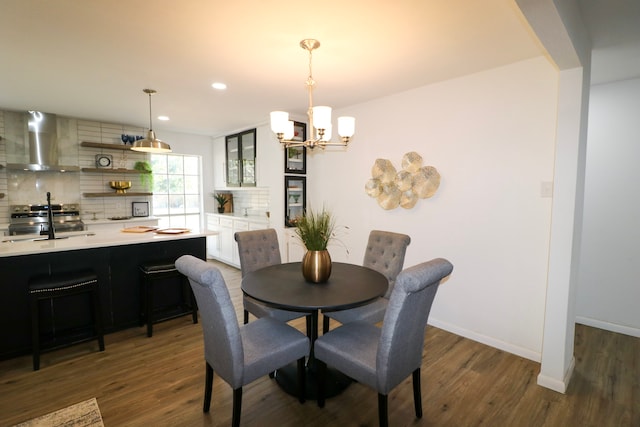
[237, 215]
[85, 240]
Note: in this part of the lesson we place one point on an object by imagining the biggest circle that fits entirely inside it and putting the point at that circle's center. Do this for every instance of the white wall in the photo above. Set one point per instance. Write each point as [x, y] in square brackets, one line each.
[491, 136]
[608, 291]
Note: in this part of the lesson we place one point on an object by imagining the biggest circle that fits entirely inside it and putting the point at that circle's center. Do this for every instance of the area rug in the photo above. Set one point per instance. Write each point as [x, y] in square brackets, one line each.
[81, 414]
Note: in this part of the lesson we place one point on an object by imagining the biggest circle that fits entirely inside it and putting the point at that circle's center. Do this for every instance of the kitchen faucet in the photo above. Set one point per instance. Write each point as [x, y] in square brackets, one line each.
[52, 233]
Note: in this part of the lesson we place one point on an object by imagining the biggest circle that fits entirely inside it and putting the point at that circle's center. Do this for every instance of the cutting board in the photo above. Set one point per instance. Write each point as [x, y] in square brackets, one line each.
[139, 229]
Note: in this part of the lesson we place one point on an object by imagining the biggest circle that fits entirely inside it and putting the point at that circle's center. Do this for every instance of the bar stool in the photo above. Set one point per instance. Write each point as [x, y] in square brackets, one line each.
[150, 274]
[61, 285]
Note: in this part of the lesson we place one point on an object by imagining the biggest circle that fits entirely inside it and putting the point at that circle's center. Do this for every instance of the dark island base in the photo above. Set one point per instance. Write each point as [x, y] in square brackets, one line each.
[118, 276]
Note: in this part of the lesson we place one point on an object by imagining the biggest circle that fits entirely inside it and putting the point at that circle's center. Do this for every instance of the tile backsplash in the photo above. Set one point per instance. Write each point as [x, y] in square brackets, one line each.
[23, 187]
[254, 200]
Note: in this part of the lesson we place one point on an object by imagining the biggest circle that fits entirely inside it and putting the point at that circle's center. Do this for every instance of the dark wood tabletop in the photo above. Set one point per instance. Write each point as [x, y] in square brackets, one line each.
[283, 286]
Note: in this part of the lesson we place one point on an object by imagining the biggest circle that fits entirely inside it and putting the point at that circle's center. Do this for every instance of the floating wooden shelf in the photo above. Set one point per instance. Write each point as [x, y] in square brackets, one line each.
[106, 146]
[105, 170]
[114, 194]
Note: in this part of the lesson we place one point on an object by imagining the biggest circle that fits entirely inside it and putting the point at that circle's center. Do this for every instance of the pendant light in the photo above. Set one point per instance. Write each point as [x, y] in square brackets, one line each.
[151, 144]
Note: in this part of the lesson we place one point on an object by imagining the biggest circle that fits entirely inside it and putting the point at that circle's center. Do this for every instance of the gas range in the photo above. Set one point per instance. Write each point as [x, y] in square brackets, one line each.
[32, 219]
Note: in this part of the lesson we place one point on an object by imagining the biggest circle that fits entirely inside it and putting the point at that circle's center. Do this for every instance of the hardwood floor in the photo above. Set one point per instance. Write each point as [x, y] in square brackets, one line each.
[159, 381]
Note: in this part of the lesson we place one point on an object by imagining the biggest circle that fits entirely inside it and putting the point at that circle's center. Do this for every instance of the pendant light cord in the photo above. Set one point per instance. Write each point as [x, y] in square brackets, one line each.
[150, 115]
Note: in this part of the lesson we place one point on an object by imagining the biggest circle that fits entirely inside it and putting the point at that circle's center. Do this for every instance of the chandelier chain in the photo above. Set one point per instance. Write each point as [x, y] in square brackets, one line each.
[310, 84]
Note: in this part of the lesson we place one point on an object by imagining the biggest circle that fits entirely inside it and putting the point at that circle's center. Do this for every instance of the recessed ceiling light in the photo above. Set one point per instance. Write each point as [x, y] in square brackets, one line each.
[219, 86]
[163, 118]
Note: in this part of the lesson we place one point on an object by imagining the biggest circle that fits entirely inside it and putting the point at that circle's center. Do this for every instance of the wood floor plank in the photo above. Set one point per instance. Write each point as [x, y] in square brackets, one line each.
[159, 381]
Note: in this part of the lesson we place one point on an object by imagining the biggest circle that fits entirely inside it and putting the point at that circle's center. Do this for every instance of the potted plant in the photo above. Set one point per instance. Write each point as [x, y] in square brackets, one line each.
[222, 201]
[146, 174]
[315, 230]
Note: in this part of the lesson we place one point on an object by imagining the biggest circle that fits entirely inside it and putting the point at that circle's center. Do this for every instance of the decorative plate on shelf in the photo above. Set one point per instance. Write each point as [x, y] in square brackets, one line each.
[104, 161]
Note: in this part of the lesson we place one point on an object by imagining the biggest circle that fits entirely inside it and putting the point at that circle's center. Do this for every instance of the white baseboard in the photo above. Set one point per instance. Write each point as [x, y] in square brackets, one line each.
[600, 324]
[555, 384]
[492, 342]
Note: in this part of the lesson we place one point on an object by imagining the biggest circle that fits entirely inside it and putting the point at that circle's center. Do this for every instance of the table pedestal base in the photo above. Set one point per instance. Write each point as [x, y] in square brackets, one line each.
[336, 382]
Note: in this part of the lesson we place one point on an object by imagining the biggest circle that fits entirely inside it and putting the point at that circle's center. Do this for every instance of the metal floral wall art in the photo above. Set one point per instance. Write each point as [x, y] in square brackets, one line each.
[402, 188]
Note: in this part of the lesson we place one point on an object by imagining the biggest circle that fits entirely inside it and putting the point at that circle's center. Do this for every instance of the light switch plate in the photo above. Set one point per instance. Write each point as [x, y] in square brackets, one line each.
[546, 189]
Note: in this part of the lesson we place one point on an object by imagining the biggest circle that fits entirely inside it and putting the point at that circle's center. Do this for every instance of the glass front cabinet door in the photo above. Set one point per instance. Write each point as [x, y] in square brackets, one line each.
[295, 199]
[295, 158]
[241, 159]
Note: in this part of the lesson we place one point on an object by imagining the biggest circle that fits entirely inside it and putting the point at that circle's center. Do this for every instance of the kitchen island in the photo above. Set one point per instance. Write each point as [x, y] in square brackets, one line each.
[114, 256]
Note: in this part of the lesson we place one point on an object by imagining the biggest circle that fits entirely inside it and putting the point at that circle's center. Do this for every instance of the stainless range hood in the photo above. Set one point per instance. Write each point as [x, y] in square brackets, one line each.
[43, 145]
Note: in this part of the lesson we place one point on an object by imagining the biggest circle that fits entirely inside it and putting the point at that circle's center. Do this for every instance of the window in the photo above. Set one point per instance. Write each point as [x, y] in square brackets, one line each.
[176, 190]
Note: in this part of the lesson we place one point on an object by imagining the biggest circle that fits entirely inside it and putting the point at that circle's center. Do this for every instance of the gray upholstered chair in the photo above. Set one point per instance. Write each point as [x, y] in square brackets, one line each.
[382, 358]
[384, 253]
[238, 354]
[258, 249]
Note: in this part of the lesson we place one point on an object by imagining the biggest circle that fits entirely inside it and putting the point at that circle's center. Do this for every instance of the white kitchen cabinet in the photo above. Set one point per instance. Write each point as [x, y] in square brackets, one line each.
[220, 246]
[225, 231]
[294, 247]
[213, 241]
[223, 246]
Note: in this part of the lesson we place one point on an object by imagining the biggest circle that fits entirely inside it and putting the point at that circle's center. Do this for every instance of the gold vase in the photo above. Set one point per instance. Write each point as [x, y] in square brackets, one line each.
[316, 266]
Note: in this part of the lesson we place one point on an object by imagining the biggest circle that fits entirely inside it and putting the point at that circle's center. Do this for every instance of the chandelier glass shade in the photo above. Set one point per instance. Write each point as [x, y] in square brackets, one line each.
[151, 144]
[319, 117]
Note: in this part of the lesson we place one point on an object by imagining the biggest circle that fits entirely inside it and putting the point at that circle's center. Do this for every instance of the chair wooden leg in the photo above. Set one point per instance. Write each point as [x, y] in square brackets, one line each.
[383, 411]
[301, 379]
[321, 372]
[325, 324]
[208, 387]
[246, 317]
[417, 394]
[237, 407]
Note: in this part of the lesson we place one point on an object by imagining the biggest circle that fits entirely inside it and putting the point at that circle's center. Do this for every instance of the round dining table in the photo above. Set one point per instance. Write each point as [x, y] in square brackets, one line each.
[283, 286]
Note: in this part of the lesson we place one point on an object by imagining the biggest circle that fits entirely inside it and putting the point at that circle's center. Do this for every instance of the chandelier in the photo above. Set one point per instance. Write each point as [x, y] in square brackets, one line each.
[151, 144]
[319, 117]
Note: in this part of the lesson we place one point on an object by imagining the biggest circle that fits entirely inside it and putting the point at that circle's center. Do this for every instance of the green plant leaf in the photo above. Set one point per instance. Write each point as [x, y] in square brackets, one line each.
[315, 229]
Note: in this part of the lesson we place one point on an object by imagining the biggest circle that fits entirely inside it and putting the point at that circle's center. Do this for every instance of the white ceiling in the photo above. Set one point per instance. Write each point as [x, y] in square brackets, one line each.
[91, 59]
